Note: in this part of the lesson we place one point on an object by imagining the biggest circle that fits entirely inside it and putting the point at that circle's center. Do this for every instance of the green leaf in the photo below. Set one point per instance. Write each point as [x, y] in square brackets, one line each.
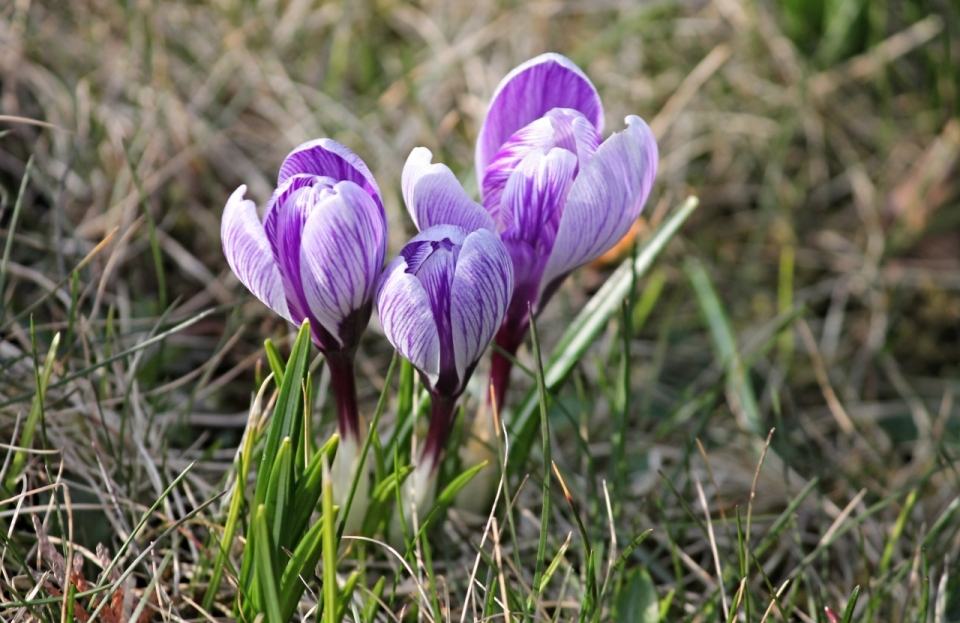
[637, 600]
[276, 362]
[305, 557]
[285, 422]
[278, 499]
[12, 229]
[840, 17]
[310, 486]
[545, 495]
[894, 539]
[329, 536]
[449, 493]
[405, 391]
[243, 463]
[448, 496]
[555, 563]
[287, 411]
[739, 388]
[648, 299]
[266, 568]
[345, 595]
[851, 605]
[370, 609]
[33, 418]
[384, 491]
[384, 495]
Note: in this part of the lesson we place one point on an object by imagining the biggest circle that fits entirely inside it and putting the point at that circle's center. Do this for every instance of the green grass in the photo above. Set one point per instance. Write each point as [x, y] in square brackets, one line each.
[813, 291]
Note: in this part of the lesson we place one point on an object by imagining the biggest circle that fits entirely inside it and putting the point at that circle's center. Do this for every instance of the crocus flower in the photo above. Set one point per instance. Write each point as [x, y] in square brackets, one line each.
[316, 255]
[440, 303]
[560, 196]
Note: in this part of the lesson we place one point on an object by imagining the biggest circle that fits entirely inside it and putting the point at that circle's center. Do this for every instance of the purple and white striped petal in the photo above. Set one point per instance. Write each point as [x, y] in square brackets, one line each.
[533, 199]
[341, 254]
[249, 254]
[438, 233]
[560, 127]
[481, 294]
[434, 196]
[407, 318]
[287, 190]
[527, 93]
[604, 200]
[291, 217]
[327, 158]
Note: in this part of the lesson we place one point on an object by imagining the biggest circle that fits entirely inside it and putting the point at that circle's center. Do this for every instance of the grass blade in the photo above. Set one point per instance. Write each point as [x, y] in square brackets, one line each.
[739, 388]
[266, 567]
[33, 418]
[11, 230]
[851, 606]
[329, 538]
[545, 434]
[244, 460]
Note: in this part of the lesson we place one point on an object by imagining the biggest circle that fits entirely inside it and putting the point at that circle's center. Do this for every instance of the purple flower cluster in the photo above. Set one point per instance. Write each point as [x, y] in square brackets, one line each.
[555, 196]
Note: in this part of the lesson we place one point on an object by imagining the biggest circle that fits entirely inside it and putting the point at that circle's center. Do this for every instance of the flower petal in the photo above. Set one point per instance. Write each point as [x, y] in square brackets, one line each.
[285, 229]
[436, 274]
[407, 318]
[290, 187]
[528, 93]
[434, 196]
[481, 293]
[560, 127]
[328, 158]
[603, 201]
[249, 254]
[532, 202]
[341, 255]
[453, 233]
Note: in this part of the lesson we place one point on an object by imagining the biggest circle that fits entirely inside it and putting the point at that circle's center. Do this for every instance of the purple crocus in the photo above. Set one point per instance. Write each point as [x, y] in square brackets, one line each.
[440, 303]
[316, 255]
[560, 196]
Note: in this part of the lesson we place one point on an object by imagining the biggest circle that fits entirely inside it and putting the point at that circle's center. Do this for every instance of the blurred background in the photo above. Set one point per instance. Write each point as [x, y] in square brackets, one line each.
[821, 136]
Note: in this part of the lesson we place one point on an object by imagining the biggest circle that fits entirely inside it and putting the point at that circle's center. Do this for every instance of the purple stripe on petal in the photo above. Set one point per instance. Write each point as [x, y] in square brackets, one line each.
[481, 293]
[436, 274]
[533, 199]
[434, 196]
[328, 158]
[249, 254]
[529, 92]
[560, 127]
[407, 319]
[281, 195]
[604, 200]
[536, 136]
[291, 216]
[341, 255]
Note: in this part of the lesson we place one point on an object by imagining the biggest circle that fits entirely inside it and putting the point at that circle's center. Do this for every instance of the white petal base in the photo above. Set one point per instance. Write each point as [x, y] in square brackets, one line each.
[477, 495]
[416, 497]
[342, 472]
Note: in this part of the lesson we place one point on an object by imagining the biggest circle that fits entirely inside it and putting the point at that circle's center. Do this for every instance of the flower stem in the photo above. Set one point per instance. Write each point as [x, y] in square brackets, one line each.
[509, 339]
[441, 419]
[344, 384]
